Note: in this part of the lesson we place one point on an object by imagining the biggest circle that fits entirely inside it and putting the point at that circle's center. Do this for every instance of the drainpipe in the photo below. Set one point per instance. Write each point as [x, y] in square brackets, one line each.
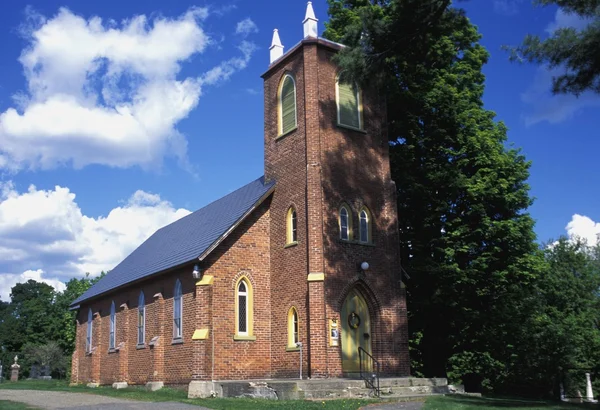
[299, 344]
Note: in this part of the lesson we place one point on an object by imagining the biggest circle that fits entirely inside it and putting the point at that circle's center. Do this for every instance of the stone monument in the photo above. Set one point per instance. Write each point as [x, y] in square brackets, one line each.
[14, 374]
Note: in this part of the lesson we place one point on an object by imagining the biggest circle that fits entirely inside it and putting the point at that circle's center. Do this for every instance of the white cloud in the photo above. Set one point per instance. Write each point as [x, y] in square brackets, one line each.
[226, 69]
[583, 227]
[7, 281]
[543, 106]
[45, 231]
[105, 92]
[246, 27]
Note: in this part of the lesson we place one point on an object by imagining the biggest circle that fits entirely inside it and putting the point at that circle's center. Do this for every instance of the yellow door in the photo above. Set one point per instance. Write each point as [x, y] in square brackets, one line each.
[356, 331]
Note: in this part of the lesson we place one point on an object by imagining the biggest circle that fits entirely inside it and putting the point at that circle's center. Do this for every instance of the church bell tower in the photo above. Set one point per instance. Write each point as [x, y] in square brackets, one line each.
[334, 237]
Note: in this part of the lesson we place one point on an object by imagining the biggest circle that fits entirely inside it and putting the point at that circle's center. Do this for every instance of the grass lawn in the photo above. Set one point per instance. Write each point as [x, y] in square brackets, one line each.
[13, 405]
[167, 394]
[487, 403]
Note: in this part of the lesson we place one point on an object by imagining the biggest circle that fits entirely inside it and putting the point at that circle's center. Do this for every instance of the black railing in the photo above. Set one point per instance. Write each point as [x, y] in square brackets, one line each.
[369, 370]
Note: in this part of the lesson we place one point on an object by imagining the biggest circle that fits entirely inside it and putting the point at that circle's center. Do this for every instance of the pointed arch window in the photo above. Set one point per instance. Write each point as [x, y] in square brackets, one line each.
[291, 226]
[288, 120]
[293, 328]
[244, 325]
[345, 221]
[365, 226]
[141, 324]
[90, 331]
[349, 103]
[112, 326]
[177, 310]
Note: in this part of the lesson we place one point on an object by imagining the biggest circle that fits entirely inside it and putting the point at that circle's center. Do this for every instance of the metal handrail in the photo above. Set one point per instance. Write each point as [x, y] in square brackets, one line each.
[370, 374]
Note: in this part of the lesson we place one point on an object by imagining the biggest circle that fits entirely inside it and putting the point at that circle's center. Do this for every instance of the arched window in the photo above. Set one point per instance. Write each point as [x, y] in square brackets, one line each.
[177, 311]
[141, 325]
[293, 327]
[365, 229]
[90, 330]
[113, 326]
[349, 104]
[287, 105]
[345, 223]
[243, 308]
[291, 226]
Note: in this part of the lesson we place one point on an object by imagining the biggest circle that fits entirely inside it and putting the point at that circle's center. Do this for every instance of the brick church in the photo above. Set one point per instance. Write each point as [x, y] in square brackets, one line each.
[297, 271]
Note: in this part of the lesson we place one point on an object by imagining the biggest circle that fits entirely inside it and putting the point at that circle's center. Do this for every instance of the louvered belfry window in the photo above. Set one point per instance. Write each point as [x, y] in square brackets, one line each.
[287, 105]
[348, 101]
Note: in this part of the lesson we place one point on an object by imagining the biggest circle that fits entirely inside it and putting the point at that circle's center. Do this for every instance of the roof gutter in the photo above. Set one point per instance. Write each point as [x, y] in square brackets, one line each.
[235, 225]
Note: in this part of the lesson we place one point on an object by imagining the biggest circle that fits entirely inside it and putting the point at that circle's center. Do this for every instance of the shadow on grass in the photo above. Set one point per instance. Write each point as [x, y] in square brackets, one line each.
[490, 403]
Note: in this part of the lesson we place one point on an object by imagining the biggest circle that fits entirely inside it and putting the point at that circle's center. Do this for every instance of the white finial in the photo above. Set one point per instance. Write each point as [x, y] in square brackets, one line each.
[276, 48]
[310, 22]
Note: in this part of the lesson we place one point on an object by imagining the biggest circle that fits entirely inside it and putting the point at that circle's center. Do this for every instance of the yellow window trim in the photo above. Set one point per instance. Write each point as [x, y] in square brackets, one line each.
[280, 132]
[244, 338]
[249, 313]
[291, 343]
[316, 277]
[200, 334]
[206, 280]
[359, 98]
[289, 227]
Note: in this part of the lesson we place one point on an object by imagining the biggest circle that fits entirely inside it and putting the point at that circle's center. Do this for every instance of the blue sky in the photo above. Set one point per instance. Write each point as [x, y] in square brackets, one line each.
[119, 117]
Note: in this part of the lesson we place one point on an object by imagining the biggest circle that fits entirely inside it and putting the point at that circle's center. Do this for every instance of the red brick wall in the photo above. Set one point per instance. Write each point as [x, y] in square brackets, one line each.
[317, 167]
[246, 250]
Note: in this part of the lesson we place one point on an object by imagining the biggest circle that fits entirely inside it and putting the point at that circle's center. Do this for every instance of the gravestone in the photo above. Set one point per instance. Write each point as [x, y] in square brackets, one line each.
[14, 374]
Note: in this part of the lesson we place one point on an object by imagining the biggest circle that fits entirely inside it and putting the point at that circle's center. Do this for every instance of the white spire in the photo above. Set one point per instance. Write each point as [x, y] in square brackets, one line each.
[276, 46]
[310, 22]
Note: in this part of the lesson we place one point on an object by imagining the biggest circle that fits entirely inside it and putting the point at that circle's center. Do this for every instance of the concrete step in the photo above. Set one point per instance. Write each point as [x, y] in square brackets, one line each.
[286, 389]
[412, 381]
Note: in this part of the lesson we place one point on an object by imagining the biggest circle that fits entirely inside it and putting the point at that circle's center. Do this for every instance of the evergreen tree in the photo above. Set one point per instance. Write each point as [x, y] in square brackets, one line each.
[467, 239]
[574, 49]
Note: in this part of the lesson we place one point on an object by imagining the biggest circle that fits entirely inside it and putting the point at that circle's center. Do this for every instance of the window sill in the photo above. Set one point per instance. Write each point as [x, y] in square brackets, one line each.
[290, 245]
[244, 338]
[177, 341]
[113, 350]
[357, 242]
[292, 349]
[280, 136]
[138, 347]
[348, 127]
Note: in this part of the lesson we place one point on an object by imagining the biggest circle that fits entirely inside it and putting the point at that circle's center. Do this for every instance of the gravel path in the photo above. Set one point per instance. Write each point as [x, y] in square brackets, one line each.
[56, 400]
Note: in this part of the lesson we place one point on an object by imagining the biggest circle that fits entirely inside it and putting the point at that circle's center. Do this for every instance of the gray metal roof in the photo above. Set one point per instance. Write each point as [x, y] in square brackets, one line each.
[184, 240]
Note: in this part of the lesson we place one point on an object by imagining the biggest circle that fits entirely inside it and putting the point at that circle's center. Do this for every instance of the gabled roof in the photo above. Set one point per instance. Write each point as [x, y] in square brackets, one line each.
[187, 239]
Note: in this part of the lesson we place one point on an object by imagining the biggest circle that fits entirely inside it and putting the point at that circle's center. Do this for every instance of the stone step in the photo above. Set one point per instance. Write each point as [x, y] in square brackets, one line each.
[387, 392]
[412, 381]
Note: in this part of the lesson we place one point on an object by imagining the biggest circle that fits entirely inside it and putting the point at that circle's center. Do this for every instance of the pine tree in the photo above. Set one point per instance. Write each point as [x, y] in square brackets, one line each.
[467, 239]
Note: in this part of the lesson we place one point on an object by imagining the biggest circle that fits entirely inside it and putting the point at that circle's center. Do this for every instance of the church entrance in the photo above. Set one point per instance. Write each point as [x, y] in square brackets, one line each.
[356, 331]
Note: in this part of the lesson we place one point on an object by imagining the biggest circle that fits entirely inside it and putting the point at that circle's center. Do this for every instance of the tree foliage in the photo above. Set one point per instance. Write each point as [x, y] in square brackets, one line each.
[467, 239]
[574, 50]
[37, 322]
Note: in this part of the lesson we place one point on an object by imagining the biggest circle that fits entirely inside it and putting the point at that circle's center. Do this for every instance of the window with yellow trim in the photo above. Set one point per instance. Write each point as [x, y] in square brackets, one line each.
[243, 308]
[293, 328]
[349, 103]
[287, 105]
[365, 225]
[291, 226]
[345, 222]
